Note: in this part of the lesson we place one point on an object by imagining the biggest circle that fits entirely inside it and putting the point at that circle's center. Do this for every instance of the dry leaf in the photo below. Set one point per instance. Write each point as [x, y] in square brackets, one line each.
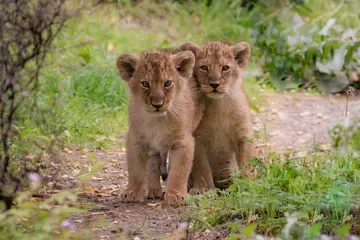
[154, 204]
[110, 47]
[90, 190]
[325, 147]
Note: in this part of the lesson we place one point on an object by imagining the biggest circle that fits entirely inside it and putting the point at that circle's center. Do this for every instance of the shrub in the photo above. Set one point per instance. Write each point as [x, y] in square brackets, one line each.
[27, 29]
[308, 54]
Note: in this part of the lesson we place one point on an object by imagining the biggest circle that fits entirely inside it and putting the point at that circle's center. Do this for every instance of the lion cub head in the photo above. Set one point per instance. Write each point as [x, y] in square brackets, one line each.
[155, 78]
[218, 66]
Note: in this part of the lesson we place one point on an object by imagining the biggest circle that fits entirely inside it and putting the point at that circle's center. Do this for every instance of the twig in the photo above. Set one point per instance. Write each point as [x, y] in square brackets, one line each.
[315, 146]
[40, 195]
[266, 150]
[101, 213]
[348, 93]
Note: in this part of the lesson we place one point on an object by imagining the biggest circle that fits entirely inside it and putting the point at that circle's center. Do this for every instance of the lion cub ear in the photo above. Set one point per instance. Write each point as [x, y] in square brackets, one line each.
[193, 47]
[184, 63]
[241, 53]
[126, 64]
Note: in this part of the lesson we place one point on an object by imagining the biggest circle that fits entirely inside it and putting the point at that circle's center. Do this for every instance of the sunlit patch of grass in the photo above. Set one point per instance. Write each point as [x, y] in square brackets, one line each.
[324, 189]
[84, 105]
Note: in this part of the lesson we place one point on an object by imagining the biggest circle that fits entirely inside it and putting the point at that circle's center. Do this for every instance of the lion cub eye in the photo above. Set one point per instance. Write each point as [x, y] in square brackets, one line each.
[205, 68]
[145, 84]
[225, 68]
[168, 83]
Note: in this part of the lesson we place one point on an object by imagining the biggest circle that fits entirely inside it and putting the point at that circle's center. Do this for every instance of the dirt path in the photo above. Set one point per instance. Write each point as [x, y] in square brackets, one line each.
[291, 119]
[295, 121]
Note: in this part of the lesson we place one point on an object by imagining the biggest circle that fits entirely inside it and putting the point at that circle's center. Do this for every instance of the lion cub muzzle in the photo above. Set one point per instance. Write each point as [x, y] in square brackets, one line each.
[157, 101]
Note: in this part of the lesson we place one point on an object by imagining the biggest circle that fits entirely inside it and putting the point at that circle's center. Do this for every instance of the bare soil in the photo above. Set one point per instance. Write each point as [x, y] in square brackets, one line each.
[293, 122]
[299, 121]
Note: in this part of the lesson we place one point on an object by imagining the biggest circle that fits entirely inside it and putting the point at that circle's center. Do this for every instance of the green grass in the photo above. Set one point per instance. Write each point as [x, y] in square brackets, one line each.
[83, 102]
[322, 190]
[81, 96]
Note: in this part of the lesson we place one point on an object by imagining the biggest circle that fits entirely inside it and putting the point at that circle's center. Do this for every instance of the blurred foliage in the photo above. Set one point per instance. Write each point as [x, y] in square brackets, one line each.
[346, 136]
[32, 220]
[299, 44]
[321, 54]
[48, 219]
[48, 216]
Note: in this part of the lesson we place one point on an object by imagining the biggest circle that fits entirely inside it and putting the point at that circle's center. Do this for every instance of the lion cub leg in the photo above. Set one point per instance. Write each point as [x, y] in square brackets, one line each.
[201, 178]
[181, 158]
[153, 177]
[136, 157]
[244, 151]
[223, 165]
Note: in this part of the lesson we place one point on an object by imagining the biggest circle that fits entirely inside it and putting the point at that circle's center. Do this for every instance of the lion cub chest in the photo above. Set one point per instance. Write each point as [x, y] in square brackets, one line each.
[222, 122]
[157, 134]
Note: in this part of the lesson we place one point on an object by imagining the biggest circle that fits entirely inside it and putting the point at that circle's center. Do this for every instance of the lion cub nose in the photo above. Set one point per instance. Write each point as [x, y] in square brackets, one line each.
[157, 104]
[214, 85]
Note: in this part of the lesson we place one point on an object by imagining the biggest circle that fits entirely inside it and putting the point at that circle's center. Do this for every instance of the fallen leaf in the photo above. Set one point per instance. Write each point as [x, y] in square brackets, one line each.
[325, 147]
[154, 204]
[96, 178]
[304, 114]
[90, 190]
[110, 47]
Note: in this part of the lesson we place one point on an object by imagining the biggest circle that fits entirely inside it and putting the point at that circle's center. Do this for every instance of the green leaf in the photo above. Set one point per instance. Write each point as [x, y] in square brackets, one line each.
[234, 227]
[336, 64]
[232, 237]
[311, 55]
[67, 133]
[325, 30]
[249, 230]
[85, 178]
[255, 161]
[314, 230]
[343, 231]
[329, 49]
[350, 53]
[233, 188]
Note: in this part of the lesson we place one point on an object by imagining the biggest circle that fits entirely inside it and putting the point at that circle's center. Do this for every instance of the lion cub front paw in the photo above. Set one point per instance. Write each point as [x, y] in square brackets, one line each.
[155, 193]
[198, 191]
[131, 195]
[175, 198]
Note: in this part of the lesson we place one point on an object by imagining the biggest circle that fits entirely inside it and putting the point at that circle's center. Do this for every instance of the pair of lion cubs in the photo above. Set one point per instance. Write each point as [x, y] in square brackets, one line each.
[192, 92]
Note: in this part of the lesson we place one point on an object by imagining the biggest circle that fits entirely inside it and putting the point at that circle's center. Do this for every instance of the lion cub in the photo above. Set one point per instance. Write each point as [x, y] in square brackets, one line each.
[222, 139]
[161, 110]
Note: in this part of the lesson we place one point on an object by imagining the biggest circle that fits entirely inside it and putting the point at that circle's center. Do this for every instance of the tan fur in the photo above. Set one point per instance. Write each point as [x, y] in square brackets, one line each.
[222, 138]
[153, 132]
